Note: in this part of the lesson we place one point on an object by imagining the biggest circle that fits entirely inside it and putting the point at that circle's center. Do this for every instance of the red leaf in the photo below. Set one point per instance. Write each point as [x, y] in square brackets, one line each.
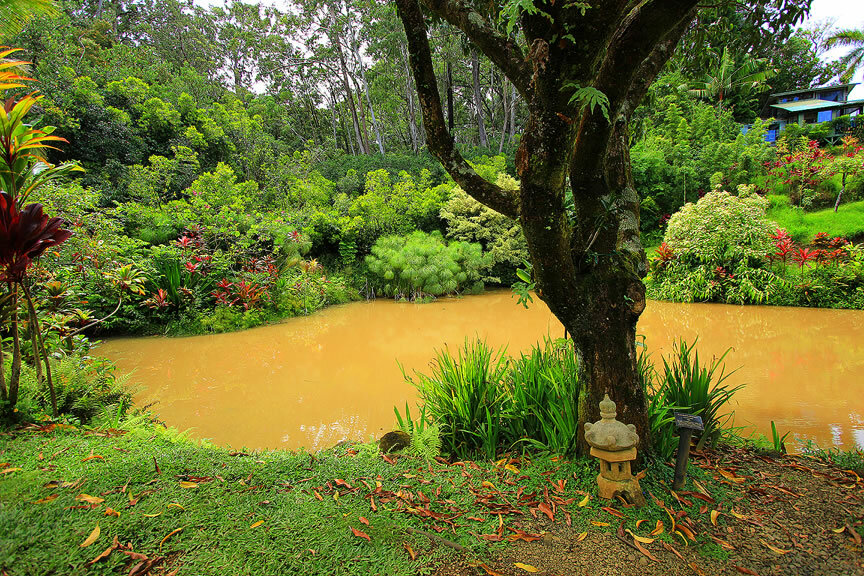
[745, 570]
[644, 551]
[546, 510]
[360, 534]
[613, 512]
[364, 521]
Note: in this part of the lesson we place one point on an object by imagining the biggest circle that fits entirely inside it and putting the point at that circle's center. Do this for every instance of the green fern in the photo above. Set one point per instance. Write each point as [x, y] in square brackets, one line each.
[426, 442]
[590, 97]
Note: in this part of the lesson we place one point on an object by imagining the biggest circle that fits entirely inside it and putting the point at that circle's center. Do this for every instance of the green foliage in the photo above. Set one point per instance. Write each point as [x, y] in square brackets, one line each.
[720, 227]
[690, 386]
[470, 221]
[847, 222]
[84, 386]
[424, 264]
[588, 97]
[486, 402]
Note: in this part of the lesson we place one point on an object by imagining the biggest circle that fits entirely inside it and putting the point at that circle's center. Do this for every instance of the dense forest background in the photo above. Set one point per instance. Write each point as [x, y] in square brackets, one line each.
[244, 163]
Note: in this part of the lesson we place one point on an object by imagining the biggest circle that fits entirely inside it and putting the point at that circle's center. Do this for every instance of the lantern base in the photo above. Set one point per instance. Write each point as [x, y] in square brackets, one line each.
[629, 489]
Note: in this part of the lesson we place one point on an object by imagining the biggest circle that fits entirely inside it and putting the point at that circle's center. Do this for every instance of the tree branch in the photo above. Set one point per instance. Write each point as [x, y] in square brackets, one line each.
[503, 51]
[648, 70]
[644, 28]
[438, 138]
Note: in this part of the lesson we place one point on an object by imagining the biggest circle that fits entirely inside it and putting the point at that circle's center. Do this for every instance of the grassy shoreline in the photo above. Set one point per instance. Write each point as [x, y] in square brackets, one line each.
[193, 508]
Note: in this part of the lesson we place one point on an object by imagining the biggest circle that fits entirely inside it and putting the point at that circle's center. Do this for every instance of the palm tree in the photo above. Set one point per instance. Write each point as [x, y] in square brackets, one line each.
[726, 79]
[854, 60]
[14, 13]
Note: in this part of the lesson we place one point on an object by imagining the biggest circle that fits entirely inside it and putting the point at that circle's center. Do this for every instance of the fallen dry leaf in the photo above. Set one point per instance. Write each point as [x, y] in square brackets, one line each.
[854, 534]
[94, 535]
[745, 570]
[581, 536]
[672, 549]
[525, 567]
[410, 551]
[613, 512]
[774, 549]
[8, 470]
[640, 522]
[187, 484]
[543, 507]
[584, 501]
[93, 457]
[152, 515]
[175, 505]
[112, 512]
[639, 538]
[103, 555]
[53, 497]
[644, 551]
[360, 534]
[363, 520]
[714, 515]
[256, 524]
[165, 539]
[697, 569]
[490, 571]
[658, 529]
[89, 499]
[596, 523]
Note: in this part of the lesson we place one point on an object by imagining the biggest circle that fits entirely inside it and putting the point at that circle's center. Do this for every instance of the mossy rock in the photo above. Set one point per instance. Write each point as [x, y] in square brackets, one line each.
[394, 441]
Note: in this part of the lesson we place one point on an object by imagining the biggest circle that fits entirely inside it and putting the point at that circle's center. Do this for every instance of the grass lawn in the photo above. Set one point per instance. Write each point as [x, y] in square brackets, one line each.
[149, 502]
[205, 510]
[848, 221]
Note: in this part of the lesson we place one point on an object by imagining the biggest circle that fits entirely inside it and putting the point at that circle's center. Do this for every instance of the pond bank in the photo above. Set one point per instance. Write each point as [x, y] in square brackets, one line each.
[316, 380]
[171, 506]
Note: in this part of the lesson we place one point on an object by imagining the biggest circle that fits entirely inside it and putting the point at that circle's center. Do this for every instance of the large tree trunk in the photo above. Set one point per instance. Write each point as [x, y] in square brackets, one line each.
[478, 98]
[409, 96]
[346, 86]
[588, 267]
[450, 122]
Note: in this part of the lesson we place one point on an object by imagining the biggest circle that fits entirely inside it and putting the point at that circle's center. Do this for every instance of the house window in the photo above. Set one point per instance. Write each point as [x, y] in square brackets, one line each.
[824, 116]
[835, 96]
[810, 117]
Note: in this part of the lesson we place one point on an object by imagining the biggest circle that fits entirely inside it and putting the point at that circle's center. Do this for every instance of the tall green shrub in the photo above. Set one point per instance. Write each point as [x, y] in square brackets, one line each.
[423, 264]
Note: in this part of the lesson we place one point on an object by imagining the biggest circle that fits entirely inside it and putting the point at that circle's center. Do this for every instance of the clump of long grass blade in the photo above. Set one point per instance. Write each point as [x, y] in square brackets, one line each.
[464, 394]
[699, 388]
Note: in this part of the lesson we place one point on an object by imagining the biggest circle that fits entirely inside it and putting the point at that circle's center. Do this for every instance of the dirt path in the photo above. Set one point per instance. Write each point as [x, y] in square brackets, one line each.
[791, 516]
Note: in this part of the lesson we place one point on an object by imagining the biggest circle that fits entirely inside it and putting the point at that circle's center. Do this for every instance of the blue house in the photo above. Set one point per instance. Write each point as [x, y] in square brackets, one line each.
[811, 106]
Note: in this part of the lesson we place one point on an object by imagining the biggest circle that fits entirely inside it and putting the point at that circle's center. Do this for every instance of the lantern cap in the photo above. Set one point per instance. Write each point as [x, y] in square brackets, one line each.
[608, 433]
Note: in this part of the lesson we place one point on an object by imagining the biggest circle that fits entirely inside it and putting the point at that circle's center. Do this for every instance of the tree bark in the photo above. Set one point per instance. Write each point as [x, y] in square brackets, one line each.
[450, 123]
[346, 86]
[506, 113]
[478, 98]
[409, 96]
[378, 138]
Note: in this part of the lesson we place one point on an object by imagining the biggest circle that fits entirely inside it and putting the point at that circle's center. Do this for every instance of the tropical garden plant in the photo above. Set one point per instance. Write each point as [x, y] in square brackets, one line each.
[25, 230]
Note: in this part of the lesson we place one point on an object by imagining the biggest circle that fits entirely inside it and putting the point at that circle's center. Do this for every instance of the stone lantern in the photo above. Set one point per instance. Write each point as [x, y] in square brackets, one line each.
[614, 444]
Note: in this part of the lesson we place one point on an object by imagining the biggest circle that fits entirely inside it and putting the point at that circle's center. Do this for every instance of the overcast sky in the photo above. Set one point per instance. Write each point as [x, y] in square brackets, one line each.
[845, 14]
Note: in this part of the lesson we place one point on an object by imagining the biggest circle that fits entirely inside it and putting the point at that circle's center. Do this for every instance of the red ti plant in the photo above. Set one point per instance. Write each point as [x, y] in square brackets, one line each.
[802, 256]
[24, 236]
[664, 255]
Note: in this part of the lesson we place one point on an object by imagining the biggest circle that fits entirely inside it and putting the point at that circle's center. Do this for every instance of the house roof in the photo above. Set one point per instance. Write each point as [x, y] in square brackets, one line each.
[819, 89]
[814, 104]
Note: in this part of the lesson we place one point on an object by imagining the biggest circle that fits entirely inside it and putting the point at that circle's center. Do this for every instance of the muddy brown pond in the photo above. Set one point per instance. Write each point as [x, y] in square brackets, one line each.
[313, 381]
